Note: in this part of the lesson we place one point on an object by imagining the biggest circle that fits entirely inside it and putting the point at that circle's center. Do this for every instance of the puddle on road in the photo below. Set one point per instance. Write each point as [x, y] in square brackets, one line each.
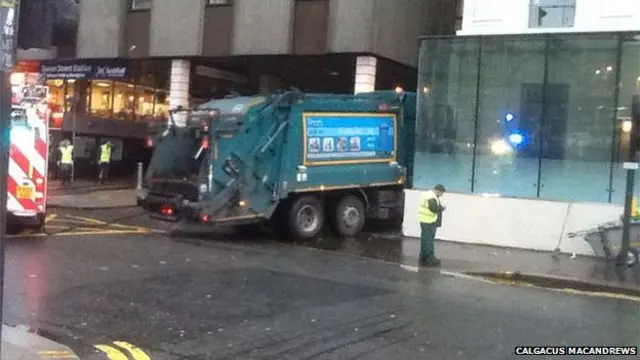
[385, 246]
[388, 245]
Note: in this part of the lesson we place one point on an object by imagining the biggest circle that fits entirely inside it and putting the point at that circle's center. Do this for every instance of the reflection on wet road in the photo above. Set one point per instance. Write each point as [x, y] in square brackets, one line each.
[256, 299]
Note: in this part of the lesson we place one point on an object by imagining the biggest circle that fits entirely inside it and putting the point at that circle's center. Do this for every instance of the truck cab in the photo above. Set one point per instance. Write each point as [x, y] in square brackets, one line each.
[301, 162]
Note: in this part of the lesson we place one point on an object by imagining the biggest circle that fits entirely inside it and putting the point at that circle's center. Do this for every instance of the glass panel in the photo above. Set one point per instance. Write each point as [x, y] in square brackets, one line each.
[629, 87]
[144, 105]
[56, 95]
[101, 93]
[123, 102]
[578, 118]
[446, 112]
[69, 93]
[161, 111]
[509, 112]
[552, 13]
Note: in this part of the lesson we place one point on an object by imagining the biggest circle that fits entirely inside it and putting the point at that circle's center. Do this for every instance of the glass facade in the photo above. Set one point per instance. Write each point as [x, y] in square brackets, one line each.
[536, 116]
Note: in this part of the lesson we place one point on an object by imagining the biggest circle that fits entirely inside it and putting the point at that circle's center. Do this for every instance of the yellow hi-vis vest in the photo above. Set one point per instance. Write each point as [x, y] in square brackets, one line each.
[67, 155]
[105, 153]
[425, 215]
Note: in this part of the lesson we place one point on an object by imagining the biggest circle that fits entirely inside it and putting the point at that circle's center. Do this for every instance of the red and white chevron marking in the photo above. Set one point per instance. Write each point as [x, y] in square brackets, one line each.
[28, 167]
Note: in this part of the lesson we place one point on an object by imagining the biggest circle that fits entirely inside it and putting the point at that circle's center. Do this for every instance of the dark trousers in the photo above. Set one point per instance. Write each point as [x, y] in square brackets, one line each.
[427, 242]
[65, 170]
[104, 172]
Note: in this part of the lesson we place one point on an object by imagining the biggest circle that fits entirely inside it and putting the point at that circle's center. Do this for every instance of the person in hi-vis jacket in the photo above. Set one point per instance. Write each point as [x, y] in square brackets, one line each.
[430, 216]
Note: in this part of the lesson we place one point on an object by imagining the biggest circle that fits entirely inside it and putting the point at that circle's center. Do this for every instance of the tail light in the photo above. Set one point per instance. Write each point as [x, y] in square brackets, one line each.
[204, 218]
[149, 141]
[204, 142]
[167, 210]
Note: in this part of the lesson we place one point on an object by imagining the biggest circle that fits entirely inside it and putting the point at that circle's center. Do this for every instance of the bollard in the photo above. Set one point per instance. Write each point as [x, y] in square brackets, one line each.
[140, 175]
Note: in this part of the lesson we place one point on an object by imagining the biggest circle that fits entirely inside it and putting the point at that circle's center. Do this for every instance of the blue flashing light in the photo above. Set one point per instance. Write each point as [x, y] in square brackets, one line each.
[516, 139]
[509, 117]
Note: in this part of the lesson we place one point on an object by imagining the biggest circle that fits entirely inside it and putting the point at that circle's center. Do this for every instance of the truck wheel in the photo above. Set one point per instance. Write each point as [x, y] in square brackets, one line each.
[349, 216]
[306, 218]
[39, 226]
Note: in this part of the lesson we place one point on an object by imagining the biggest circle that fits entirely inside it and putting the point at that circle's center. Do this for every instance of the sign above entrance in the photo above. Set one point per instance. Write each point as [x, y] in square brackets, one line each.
[86, 69]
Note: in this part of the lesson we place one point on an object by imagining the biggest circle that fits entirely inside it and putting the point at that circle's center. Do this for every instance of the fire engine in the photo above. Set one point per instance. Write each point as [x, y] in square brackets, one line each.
[28, 157]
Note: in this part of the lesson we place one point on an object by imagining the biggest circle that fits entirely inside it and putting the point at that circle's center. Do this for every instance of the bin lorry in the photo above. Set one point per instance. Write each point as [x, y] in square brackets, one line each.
[301, 162]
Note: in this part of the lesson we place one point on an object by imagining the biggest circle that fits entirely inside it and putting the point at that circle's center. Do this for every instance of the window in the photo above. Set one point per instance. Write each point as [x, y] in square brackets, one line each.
[145, 103]
[219, 2]
[509, 112]
[579, 107]
[629, 92]
[552, 13]
[101, 98]
[446, 109]
[161, 110]
[141, 4]
[123, 102]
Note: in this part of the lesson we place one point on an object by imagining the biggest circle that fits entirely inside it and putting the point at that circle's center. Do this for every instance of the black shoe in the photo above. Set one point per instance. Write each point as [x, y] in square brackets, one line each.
[431, 263]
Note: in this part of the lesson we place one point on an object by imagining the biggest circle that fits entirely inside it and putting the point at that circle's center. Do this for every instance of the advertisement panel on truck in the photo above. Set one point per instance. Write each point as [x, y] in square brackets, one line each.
[340, 138]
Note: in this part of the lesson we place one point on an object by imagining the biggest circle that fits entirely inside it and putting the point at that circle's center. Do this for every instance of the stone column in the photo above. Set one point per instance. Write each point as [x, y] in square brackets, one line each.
[365, 80]
[179, 88]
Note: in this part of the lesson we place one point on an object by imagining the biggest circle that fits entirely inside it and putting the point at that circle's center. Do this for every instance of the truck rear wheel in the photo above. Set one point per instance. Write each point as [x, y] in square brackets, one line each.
[306, 218]
[349, 216]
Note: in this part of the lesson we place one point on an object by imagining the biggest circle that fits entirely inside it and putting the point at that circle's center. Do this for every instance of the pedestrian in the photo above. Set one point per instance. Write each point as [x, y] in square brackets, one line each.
[66, 161]
[105, 160]
[430, 216]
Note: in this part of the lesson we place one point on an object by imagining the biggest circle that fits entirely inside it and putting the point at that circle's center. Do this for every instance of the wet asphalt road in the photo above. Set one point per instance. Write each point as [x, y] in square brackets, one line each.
[234, 298]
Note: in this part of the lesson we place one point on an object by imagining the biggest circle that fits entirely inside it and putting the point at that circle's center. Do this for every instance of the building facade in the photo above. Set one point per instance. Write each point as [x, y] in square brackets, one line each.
[135, 59]
[526, 117]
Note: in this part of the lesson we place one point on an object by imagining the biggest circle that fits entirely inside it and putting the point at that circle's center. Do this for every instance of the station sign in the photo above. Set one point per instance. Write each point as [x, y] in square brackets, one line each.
[87, 69]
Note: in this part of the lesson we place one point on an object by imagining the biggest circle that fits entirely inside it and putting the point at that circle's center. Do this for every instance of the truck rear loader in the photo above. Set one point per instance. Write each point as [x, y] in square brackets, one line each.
[301, 162]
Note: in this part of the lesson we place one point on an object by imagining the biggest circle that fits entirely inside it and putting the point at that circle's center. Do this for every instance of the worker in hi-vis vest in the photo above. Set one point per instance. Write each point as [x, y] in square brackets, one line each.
[66, 161]
[430, 216]
[104, 160]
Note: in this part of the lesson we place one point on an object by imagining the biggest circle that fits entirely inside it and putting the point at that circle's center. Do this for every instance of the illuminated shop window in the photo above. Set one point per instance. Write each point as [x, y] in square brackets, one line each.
[144, 106]
[162, 105]
[101, 98]
[56, 94]
[124, 101]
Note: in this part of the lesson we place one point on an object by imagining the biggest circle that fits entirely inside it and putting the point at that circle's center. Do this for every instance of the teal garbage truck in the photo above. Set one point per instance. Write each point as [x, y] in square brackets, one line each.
[300, 162]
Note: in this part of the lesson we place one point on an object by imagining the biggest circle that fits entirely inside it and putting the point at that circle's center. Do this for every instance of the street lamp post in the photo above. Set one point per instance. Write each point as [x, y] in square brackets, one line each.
[9, 10]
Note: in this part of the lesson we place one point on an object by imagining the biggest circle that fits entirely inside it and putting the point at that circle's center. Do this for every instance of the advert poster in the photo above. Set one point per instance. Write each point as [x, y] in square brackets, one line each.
[339, 137]
[9, 35]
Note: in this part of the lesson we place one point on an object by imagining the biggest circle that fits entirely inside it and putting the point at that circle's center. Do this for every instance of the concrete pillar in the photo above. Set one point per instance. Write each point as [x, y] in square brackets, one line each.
[179, 88]
[365, 74]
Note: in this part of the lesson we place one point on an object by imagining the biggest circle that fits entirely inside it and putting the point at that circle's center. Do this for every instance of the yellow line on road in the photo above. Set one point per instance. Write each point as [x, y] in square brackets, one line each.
[135, 351]
[111, 352]
[57, 354]
[106, 232]
[50, 217]
[88, 220]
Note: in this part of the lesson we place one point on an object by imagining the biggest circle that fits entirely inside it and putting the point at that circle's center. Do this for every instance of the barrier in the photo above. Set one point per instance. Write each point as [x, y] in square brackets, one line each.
[510, 222]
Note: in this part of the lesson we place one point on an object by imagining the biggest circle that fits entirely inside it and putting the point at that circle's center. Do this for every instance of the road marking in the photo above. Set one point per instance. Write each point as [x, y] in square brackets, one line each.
[78, 225]
[114, 353]
[87, 220]
[111, 352]
[135, 351]
[57, 354]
